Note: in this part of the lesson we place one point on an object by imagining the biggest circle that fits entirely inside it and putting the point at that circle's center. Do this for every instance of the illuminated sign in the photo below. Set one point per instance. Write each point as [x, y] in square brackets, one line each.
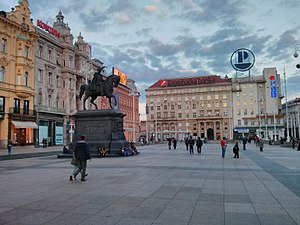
[242, 59]
[123, 77]
[188, 81]
[47, 28]
[273, 87]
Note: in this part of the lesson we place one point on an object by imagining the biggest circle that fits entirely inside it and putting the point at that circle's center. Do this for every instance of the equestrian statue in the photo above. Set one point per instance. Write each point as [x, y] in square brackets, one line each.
[99, 87]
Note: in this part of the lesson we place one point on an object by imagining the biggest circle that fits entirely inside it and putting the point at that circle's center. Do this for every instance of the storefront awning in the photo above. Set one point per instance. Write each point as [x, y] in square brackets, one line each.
[21, 124]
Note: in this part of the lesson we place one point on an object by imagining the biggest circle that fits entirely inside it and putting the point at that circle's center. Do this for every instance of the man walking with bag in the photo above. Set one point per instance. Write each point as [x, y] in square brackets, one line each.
[82, 154]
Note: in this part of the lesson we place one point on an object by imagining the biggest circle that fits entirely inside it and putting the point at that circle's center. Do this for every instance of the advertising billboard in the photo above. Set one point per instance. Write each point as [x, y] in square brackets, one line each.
[123, 77]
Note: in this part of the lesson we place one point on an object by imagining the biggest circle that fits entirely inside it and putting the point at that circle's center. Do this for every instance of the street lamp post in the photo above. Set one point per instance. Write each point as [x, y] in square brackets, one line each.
[286, 111]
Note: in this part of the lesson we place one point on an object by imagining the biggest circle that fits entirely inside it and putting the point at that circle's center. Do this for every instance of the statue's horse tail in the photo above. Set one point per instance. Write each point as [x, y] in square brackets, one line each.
[82, 89]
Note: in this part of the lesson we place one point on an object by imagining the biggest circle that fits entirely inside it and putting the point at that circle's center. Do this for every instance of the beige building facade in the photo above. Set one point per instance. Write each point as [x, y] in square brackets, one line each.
[194, 106]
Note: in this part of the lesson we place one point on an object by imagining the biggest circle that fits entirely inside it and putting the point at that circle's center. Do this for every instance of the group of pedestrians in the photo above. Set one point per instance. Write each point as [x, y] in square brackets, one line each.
[189, 143]
[170, 141]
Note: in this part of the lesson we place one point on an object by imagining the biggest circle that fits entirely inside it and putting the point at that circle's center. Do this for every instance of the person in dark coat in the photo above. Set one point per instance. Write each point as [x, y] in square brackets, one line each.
[191, 143]
[199, 144]
[244, 142]
[169, 143]
[174, 143]
[82, 154]
[236, 150]
[186, 142]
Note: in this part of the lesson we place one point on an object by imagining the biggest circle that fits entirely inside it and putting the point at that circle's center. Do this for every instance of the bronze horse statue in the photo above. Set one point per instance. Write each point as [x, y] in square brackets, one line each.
[107, 88]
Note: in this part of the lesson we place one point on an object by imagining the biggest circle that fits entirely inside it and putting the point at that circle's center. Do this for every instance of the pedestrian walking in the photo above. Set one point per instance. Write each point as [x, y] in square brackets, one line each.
[75, 164]
[169, 143]
[9, 146]
[174, 143]
[261, 145]
[82, 154]
[236, 150]
[223, 146]
[191, 143]
[244, 142]
[44, 142]
[186, 142]
[199, 144]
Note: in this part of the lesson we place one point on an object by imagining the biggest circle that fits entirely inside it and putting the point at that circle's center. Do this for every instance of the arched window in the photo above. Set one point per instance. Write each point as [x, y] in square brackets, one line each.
[26, 78]
[2, 70]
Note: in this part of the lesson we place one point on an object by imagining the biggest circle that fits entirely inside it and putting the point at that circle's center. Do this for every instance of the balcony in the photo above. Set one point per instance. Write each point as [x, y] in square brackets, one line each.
[21, 111]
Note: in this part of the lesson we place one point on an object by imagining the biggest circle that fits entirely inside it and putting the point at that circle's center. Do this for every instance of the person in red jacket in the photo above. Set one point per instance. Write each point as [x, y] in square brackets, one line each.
[223, 146]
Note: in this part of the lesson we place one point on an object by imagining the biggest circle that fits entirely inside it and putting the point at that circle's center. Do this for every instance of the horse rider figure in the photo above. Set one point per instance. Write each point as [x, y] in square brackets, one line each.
[97, 84]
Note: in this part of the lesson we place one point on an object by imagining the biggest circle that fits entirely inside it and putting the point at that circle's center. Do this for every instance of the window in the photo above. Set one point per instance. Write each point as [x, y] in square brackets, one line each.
[40, 75]
[216, 97]
[238, 112]
[50, 78]
[252, 122]
[57, 102]
[251, 112]
[251, 101]
[225, 114]
[239, 122]
[152, 117]
[40, 53]
[70, 82]
[194, 106]
[194, 115]
[187, 115]
[26, 79]
[158, 115]
[201, 113]
[26, 51]
[209, 112]
[2, 104]
[49, 100]
[3, 45]
[172, 114]
[238, 102]
[165, 107]
[245, 102]
[217, 112]
[16, 105]
[172, 107]
[2, 70]
[179, 115]
[245, 122]
[179, 106]
[158, 108]
[25, 107]
[208, 97]
[49, 55]
[57, 81]
[179, 124]
[151, 107]
[245, 111]
[165, 114]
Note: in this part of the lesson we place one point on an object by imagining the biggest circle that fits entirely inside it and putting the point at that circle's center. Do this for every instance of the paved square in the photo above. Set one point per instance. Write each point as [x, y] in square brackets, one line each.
[159, 186]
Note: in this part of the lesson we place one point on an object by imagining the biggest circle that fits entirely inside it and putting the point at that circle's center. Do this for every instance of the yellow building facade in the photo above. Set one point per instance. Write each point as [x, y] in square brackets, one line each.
[18, 37]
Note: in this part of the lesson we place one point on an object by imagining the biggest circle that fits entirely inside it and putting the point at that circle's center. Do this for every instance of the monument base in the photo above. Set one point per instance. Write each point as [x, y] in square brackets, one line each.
[101, 128]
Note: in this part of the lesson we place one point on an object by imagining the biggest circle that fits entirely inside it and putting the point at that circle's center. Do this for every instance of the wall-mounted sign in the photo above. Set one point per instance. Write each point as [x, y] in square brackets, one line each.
[273, 87]
[242, 59]
[47, 28]
[123, 77]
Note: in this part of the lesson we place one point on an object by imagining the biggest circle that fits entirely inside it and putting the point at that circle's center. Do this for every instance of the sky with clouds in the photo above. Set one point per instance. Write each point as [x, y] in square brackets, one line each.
[153, 39]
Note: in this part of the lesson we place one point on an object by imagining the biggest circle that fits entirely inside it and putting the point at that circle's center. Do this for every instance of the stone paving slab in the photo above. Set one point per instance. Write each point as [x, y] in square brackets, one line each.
[157, 187]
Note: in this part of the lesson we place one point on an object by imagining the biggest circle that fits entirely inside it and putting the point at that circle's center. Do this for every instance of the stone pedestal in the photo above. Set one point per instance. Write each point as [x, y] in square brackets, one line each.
[102, 128]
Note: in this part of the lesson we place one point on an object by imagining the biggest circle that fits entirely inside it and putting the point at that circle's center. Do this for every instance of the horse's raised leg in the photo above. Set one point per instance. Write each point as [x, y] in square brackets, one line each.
[84, 99]
[92, 101]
